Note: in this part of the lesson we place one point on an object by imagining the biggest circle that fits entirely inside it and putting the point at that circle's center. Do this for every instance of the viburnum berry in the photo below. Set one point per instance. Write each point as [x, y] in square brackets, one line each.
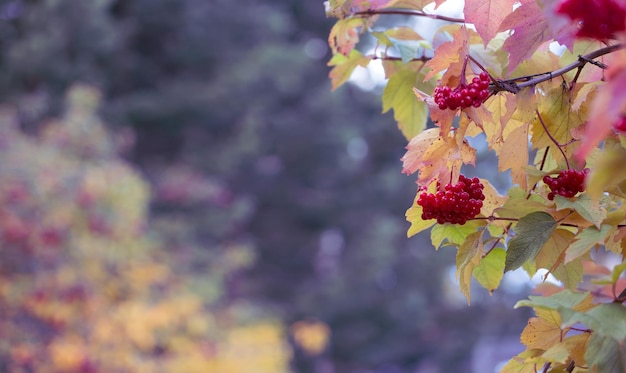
[567, 184]
[455, 204]
[620, 126]
[465, 95]
[599, 19]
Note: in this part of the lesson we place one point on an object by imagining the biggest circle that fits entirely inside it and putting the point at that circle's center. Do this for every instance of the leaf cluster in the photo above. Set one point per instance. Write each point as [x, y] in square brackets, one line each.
[547, 112]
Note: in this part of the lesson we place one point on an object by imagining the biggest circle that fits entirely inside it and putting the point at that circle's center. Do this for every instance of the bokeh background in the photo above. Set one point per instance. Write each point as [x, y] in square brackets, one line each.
[180, 191]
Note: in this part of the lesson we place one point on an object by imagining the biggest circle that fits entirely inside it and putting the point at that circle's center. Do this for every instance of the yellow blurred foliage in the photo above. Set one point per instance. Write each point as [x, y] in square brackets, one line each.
[311, 335]
[83, 285]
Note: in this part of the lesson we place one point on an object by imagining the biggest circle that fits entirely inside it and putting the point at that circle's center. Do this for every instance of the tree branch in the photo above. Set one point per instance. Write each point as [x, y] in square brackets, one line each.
[510, 85]
[408, 12]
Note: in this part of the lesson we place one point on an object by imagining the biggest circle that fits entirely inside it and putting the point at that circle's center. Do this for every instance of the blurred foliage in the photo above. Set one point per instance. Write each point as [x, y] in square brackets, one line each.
[85, 288]
[266, 188]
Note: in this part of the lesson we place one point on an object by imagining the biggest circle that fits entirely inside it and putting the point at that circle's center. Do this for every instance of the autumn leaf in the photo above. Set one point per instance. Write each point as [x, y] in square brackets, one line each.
[344, 35]
[585, 240]
[486, 15]
[559, 119]
[453, 233]
[507, 136]
[540, 334]
[414, 215]
[436, 157]
[493, 199]
[344, 65]
[606, 354]
[450, 56]
[530, 29]
[490, 270]
[552, 257]
[411, 114]
[594, 210]
[607, 107]
[467, 258]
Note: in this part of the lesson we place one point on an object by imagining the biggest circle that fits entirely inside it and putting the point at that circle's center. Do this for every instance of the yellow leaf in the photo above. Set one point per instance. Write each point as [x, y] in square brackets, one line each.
[467, 258]
[577, 346]
[414, 215]
[411, 114]
[540, 334]
[559, 118]
[344, 65]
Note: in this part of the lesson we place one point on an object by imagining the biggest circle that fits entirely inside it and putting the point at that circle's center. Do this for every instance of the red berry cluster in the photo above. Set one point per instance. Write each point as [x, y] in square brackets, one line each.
[599, 19]
[459, 203]
[465, 95]
[567, 184]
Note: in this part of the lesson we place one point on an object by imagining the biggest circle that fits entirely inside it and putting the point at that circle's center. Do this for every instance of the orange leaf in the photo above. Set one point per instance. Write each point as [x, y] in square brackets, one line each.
[436, 157]
[450, 56]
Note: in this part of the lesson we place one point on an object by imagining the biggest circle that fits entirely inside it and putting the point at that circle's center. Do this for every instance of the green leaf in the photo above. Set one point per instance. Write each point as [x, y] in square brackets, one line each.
[564, 299]
[588, 238]
[518, 205]
[608, 319]
[344, 65]
[453, 233]
[410, 113]
[531, 232]
[414, 216]
[607, 354]
[594, 211]
[552, 255]
[467, 258]
[491, 269]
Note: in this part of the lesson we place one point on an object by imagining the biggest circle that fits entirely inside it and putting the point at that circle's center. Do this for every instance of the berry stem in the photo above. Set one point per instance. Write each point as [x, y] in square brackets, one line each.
[463, 80]
[533, 80]
[552, 138]
[481, 66]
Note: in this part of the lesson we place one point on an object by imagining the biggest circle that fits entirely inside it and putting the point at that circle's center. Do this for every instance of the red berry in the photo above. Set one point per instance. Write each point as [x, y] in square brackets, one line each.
[464, 95]
[460, 202]
[598, 19]
[620, 126]
[567, 184]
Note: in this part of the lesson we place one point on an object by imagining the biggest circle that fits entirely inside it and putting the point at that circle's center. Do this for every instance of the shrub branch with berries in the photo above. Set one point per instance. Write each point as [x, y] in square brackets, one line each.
[556, 121]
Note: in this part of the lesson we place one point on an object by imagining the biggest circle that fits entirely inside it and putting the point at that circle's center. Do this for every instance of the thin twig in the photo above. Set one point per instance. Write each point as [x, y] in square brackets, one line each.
[408, 12]
[552, 138]
[582, 60]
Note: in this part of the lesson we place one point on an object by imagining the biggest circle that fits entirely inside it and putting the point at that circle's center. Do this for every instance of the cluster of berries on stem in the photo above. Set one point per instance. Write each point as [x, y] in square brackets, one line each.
[599, 19]
[465, 95]
[567, 184]
[456, 204]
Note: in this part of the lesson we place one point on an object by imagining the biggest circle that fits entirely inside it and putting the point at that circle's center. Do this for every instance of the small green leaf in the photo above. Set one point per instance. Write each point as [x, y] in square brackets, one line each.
[588, 238]
[518, 205]
[491, 269]
[608, 319]
[343, 66]
[592, 210]
[531, 232]
[414, 216]
[453, 233]
[467, 258]
[563, 299]
[410, 113]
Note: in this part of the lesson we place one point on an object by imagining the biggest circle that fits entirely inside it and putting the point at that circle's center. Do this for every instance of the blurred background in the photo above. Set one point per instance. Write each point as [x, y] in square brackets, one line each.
[181, 192]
